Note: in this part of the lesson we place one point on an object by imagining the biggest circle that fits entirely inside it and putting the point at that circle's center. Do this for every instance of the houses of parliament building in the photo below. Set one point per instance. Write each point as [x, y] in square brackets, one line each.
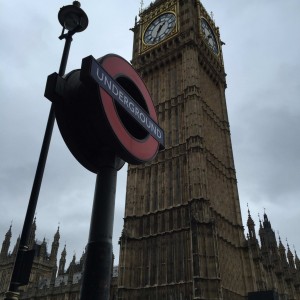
[183, 236]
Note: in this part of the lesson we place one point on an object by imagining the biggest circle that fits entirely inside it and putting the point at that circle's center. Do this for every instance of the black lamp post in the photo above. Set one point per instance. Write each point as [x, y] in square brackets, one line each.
[73, 19]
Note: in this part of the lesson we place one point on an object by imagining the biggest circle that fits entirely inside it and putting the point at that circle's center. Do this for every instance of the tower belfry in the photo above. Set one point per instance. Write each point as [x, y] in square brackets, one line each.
[183, 235]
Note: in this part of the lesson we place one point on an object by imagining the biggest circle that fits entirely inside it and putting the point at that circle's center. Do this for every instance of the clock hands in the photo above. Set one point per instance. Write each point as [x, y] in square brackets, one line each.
[159, 29]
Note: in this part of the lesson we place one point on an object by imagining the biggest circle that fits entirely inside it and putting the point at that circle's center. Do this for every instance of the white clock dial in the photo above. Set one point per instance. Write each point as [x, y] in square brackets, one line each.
[160, 28]
[209, 36]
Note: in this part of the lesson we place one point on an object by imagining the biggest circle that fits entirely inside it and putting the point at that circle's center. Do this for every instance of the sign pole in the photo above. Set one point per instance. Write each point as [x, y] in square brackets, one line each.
[103, 135]
[98, 264]
[24, 259]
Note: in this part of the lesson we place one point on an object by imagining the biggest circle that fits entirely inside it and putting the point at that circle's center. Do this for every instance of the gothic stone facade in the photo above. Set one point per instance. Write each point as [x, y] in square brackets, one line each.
[275, 270]
[48, 280]
[183, 235]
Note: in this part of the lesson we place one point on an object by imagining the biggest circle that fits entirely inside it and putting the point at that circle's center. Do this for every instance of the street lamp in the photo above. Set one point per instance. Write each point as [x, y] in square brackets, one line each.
[73, 19]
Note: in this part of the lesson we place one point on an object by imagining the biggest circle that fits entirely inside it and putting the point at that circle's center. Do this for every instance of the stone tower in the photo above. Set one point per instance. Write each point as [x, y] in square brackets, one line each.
[183, 236]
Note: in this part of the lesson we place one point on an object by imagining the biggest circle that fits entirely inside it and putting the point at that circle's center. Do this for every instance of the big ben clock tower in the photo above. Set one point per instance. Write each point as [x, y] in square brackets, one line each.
[183, 236]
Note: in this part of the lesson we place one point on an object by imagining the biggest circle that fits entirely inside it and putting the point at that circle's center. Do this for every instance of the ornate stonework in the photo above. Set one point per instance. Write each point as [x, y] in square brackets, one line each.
[183, 233]
[183, 237]
[50, 278]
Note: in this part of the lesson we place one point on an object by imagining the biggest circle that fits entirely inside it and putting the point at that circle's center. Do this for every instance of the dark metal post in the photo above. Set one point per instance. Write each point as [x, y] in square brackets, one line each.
[98, 264]
[65, 55]
[24, 259]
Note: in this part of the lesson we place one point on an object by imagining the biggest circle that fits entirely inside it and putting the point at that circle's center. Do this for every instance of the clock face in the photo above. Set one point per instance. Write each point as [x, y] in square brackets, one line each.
[159, 29]
[209, 36]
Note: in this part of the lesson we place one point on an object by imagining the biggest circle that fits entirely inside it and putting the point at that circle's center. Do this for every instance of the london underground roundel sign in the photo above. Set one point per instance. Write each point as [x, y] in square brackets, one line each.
[106, 106]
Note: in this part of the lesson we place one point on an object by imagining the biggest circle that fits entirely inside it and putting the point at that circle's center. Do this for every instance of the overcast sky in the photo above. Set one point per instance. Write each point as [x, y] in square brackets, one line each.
[262, 62]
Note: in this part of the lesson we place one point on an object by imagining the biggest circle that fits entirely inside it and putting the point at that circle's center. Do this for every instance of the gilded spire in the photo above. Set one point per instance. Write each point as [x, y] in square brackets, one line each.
[141, 6]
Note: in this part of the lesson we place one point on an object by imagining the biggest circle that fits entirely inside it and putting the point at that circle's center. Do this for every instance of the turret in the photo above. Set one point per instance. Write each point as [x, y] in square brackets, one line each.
[251, 227]
[281, 250]
[268, 242]
[72, 269]
[266, 222]
[290, 257]
[252, 240]
[43, 251]
[6, 244]
[62, 262]
[55, 246]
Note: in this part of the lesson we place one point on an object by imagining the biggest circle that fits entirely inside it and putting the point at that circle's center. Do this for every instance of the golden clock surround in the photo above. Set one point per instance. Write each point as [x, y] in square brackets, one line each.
[156, 12]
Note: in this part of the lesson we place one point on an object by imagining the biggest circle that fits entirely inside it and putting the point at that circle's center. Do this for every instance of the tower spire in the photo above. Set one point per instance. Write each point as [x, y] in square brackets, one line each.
[281, 250]
[290, 257]
[6, 244]
[55, 246]
[72, 268]
[251, 225]
[297, 261]
[142, 6]
[266, 221]
[62, 262]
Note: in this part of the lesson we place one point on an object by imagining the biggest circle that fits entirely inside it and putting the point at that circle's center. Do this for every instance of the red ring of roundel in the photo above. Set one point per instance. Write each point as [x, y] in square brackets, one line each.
[143, 150]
